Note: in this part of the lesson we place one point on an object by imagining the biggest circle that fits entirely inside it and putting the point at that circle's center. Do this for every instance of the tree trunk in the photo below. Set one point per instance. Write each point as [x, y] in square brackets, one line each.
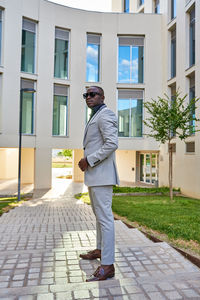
[170, 172]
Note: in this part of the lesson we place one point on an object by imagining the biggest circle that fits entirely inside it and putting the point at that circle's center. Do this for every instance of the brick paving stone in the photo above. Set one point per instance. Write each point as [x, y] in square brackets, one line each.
[173, 295]
[98, 292]
[81, 294]
[117, 291]
[3, 284]
[138, 297]
[156, 296]
[191, 293]
[64, 296]
[28, 297]
[45, 296]
[40, 247]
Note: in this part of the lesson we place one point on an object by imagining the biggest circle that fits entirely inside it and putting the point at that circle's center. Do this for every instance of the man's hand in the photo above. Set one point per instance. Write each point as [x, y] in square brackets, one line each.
[83, 164]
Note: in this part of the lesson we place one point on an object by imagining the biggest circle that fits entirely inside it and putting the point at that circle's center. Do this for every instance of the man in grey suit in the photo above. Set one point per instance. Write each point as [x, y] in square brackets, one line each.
[99, 167]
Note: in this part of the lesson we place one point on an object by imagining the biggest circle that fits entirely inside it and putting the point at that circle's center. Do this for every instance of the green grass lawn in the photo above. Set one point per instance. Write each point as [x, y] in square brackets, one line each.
[6, 202]
[149, 190]
[61, 165]
[178, 221]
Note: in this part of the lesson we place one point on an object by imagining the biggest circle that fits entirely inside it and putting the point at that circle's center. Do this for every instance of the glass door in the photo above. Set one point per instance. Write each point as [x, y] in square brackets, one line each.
[148, 167]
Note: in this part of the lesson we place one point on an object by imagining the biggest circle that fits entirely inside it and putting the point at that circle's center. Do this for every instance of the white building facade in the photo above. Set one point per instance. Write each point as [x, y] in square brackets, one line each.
[137, 52]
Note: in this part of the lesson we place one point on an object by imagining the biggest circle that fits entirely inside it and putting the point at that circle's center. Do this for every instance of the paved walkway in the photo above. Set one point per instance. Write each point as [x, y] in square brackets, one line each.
[40, 243]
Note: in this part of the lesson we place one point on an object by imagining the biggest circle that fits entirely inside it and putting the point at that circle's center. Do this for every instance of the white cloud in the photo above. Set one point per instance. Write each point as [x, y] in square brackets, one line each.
[125, 63]
[92, 53]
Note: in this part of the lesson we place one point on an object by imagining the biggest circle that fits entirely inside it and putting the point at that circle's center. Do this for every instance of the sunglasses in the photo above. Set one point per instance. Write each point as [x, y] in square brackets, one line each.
[91, 94]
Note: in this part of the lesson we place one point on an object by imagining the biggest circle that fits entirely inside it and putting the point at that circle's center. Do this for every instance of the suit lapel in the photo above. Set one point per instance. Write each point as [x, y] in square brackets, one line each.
[88, 123]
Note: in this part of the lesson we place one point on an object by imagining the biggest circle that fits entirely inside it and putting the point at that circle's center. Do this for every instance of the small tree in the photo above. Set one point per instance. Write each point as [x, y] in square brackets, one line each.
[66, 153]
[169, 118]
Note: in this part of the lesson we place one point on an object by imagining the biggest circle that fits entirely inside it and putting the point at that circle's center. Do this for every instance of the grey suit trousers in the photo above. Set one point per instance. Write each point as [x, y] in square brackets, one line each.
[101, 201]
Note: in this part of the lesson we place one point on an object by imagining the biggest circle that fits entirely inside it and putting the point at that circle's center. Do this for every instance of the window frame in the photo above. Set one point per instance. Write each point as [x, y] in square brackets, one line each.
[97, 36]
[192, 33]
[126, 6]
[26, 83]
[130, 99]
[131, 69]
[173, 9]
[173, 53]
[68, 52]
[67, 111]
[1, 34]
[35, 45]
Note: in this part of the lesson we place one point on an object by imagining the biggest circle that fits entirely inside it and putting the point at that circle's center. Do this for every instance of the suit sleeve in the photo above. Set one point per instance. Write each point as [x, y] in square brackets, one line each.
[109, 131]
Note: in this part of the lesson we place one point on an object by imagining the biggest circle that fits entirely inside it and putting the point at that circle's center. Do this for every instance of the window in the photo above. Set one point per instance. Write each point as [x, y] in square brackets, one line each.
[61, 54]
[131, 59]
[173, 53]
[0, 32]
[173, 95]
[141, 2]
[192, 96]
[192, 38]
[93, 58]
[130, 108]
[173, 9]
[28, 46]
[60, 110]
[88, 113]
[126, 6]
[157, 6]
[27, 107]
[190, 147]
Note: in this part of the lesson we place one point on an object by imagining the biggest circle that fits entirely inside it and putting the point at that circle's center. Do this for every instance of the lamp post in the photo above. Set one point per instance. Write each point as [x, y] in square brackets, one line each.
[26, 90]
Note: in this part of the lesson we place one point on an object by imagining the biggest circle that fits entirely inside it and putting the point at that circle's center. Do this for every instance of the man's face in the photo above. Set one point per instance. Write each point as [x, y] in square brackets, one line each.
[96, 99]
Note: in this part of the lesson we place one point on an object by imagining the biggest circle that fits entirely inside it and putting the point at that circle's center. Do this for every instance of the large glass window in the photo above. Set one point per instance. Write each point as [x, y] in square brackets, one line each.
[93, 58]
[131, 59]
[27, 107]
[192, 37]
[130, 108]
[28, 46]
[61, 55]
[0, 32]
[60, 110]
[173, 95]
[173, 53]
[126, 6]
[173, 9]
[192, 96]
[157, 6]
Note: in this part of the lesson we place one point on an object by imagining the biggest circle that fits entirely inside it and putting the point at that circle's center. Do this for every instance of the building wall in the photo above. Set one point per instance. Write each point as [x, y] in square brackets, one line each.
[8, 163]
[126, 162]
[186, 166]
[48, 16]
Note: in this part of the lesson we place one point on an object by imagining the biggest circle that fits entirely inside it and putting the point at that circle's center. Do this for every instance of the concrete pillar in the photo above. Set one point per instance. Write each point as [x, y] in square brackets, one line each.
[42, 170]
[27, 175]
[78, 175]
[8, 163]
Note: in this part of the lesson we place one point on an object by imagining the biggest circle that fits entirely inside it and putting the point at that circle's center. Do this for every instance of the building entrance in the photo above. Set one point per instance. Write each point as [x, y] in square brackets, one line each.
[149, 167]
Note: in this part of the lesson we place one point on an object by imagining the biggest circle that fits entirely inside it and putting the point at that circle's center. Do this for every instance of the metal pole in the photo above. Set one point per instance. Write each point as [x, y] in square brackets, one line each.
[20, 146]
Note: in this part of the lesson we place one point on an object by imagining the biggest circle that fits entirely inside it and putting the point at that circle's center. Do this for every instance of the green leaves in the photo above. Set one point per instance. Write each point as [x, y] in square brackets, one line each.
[171, 117]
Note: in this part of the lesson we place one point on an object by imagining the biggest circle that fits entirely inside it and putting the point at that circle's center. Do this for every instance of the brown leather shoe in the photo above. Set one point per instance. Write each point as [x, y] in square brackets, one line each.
[102, 273]
[94, 254]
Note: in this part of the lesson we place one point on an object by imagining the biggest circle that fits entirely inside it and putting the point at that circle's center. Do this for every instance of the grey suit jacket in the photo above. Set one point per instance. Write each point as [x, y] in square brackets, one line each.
[99, 143]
